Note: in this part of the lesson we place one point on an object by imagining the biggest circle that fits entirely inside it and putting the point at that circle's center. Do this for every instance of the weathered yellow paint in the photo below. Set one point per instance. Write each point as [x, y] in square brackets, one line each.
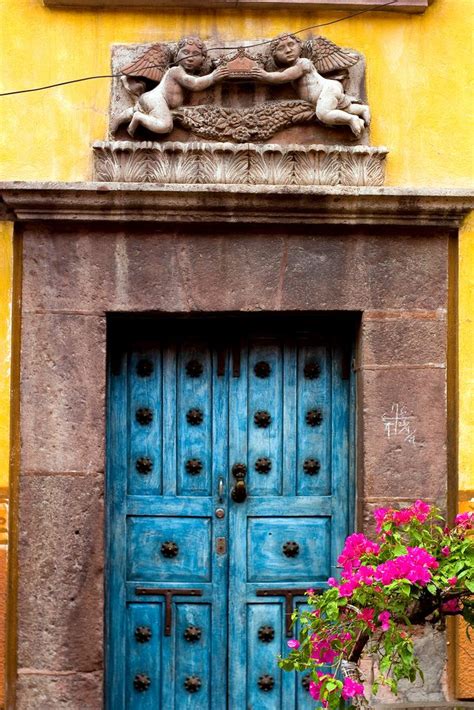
[6, 258]
[466, 357]
[418, 82]
[464, 686]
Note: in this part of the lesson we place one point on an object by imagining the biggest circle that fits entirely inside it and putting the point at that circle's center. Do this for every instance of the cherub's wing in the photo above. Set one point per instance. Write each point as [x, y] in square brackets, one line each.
[150, 65]
[327, 56]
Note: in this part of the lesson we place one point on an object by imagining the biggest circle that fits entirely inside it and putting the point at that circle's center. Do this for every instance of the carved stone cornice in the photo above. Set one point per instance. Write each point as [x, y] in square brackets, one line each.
[202, 163]
[409, 6]
[132, 202]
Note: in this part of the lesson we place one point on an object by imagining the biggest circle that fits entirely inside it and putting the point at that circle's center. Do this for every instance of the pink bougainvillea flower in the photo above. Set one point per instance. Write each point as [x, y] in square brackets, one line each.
[446, 551]
[451, 606]
[351, 688]
[355, 546]
[421, 510]
[323, 652]
[384, 619]
[453, 581]
[418, 511]
[293, 643]
[380, 514]
[465, 520]
[314, 689]
[367, 615]
[310, 591]
[332, 582]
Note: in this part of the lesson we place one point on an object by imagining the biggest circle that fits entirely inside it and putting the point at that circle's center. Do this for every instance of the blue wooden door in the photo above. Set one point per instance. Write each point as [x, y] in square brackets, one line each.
[227, 495]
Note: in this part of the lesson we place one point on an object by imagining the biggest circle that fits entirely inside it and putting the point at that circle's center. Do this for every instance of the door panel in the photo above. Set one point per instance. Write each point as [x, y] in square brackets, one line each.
[164, 569]
[214, 591]
[270, 549]
[148, 559]
[285, 536]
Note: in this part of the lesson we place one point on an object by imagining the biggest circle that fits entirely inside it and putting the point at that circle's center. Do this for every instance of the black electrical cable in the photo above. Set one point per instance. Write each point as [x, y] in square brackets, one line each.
[209, 49]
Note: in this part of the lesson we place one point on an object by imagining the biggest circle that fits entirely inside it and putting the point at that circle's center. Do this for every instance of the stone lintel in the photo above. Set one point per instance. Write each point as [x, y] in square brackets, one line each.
[116, 202]
[408, 6]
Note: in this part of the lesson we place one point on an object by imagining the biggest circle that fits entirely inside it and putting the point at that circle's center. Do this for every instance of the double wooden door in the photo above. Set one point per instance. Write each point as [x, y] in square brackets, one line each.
[227, 496]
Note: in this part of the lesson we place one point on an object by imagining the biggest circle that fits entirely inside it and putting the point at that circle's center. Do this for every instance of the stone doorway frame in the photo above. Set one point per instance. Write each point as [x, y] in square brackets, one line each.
[92, 249]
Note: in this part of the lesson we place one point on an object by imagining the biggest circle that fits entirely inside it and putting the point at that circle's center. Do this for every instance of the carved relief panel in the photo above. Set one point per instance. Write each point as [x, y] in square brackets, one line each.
[279, 112]
[285, 90]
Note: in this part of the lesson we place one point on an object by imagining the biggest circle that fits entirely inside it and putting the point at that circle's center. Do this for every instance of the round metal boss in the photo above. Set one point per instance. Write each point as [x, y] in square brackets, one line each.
[194, 417]
[144, 416]
[262, 369]
[314, 417]
[266, 634]
[312, 370]
[143, 634]
[141, 682]
[263, 465]
[291, 549]
[169, 549]
[262, 419]
[192, 683]
[144, 465]
[144, 367]
[192, 633]
[311, 466]
[193, 466]
[194, 368]
[266, 683]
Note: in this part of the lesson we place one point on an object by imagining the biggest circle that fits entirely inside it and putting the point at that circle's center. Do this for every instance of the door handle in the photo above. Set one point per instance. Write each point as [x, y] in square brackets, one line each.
[220, 489]
[239, 491]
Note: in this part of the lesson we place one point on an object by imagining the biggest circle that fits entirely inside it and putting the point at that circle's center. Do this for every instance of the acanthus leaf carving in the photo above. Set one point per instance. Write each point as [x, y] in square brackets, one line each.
[230, 164]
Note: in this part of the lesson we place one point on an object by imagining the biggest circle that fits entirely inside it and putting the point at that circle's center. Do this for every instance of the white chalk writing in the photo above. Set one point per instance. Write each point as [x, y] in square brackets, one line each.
[399, 423]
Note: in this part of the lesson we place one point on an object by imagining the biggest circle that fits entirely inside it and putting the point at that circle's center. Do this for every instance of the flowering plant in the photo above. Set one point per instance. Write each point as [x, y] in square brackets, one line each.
[415, 571]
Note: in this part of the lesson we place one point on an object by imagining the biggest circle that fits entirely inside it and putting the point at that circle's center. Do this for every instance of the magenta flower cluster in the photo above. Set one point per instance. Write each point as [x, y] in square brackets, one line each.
[415, 567]
[412, 560]
[350, 688]
[419, 510]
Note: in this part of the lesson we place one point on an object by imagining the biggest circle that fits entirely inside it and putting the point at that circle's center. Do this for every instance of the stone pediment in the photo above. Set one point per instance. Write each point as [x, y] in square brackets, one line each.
[282, 111]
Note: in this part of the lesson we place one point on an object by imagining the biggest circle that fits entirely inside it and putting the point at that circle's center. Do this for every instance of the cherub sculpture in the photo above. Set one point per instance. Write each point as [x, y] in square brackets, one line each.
[332, 105]
[152, 109]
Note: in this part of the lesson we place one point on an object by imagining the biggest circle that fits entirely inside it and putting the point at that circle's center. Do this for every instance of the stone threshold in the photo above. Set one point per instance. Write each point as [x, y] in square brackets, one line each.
[204, 163]
[139, 202]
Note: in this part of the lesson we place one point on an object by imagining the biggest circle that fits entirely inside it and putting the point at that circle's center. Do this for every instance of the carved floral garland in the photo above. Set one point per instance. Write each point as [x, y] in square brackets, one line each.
[256, 123]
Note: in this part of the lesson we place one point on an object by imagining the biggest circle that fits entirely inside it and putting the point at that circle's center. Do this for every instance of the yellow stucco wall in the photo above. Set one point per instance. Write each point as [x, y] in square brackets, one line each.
[419, 69]
[6, 259]
[418, 81]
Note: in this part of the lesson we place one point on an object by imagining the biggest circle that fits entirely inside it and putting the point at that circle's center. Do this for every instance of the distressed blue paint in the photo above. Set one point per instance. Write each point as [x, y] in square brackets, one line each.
[266, 560]
[145, 561]
[261, 655]
[145, 440]
[144, 657]
[143, 511]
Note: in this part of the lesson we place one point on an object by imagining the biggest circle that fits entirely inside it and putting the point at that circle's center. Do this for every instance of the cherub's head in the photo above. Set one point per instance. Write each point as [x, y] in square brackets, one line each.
[191, 53]
[285, 49]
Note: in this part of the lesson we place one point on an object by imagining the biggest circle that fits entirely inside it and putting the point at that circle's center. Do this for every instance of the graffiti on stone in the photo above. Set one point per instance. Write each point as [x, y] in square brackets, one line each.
[399, 423]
